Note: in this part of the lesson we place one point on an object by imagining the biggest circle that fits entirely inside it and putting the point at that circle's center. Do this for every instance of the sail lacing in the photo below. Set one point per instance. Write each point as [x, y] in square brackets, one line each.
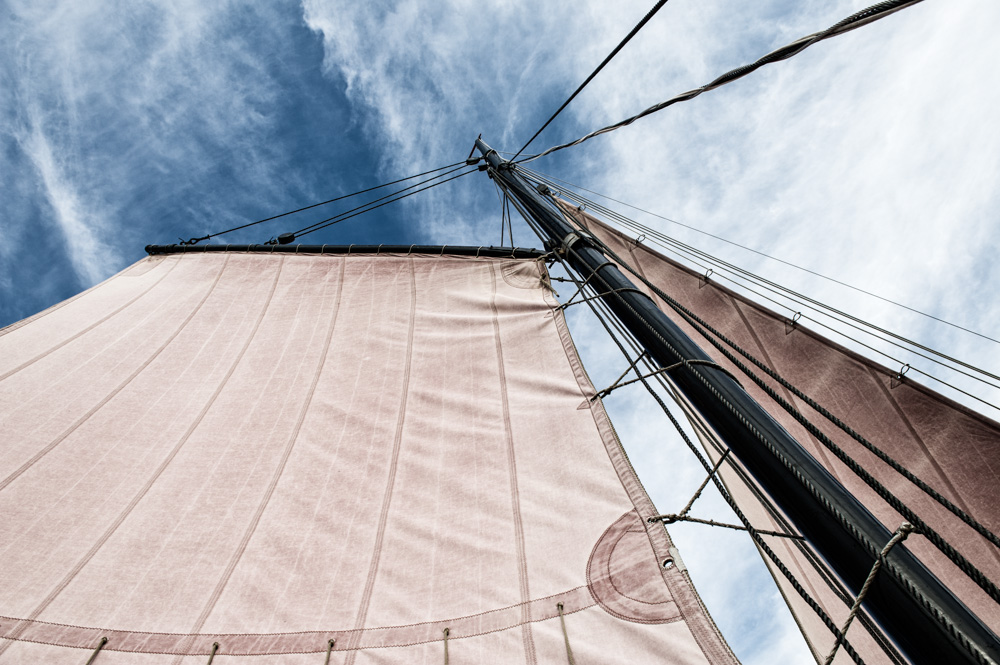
[562, 622]
[754, 535]
[853, 21]
[899, 536]
[93, 656]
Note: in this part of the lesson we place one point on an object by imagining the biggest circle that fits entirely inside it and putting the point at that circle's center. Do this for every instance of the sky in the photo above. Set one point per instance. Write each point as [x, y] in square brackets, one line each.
[871, 158]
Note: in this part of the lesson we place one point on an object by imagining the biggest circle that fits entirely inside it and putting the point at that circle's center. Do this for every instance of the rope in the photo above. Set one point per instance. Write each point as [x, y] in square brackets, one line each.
[863, 17]
[446, 633]
[562, 620]
[329, 221]
[100, 646]
[957, 558]
[194, 241]
[594, 73]
[692, 254]
[329, 648]
[763, 546]
[672, 518]
[900, 535]
[211, 656]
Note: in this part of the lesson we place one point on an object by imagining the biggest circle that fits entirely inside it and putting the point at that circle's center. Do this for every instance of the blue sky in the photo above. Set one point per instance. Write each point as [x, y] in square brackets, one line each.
[872, 158]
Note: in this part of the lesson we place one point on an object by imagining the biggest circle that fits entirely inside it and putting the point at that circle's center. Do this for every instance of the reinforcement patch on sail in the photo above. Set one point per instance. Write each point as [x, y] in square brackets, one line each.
[953, 449]
[307, 459]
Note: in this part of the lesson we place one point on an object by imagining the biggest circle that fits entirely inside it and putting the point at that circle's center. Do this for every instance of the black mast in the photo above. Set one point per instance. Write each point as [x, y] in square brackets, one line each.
[911, 605]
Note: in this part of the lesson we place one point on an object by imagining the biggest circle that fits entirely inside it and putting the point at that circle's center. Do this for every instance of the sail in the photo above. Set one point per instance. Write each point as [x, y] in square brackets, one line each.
[951, 448]
[290, 458]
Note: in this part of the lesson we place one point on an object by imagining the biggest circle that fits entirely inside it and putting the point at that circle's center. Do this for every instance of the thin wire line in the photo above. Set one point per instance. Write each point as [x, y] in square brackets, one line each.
[193, 241]
[543, 176]
[594, 73]
[852, 22]
[330, 221]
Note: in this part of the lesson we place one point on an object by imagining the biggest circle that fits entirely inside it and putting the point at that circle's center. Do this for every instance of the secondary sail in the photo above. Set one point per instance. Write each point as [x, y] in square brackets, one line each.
[288, 458]
[951, 448]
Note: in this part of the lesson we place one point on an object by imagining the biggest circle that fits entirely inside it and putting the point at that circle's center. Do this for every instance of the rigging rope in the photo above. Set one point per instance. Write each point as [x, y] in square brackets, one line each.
[594, 73]
[865, 16]
[546, 178]
[754, 535]
[944, 546]
[360, 210]
[685, 251]
[194, 241]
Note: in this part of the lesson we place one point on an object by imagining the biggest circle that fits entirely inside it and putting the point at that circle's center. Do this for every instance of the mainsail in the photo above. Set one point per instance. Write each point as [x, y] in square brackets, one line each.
[295, 458]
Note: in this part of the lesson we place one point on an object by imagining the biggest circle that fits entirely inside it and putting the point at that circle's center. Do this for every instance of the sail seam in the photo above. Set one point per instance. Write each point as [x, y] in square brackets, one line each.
[86, 330]
[279, 470]
[522, 562]
[393, 464]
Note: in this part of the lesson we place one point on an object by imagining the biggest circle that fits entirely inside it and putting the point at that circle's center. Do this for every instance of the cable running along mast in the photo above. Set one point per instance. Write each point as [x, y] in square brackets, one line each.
[911, 605]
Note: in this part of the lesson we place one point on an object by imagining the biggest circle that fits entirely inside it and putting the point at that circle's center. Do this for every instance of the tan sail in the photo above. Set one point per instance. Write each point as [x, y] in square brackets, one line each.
[393, 458]
[953, 449]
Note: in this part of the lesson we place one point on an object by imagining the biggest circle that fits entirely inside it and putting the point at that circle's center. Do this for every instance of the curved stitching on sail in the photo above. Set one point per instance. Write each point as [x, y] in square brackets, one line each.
[107, 398]
[249, 644]
[86, 330]
[390, 481]
[522, 563]
[611, 577]
[286, 453]
[149, 483]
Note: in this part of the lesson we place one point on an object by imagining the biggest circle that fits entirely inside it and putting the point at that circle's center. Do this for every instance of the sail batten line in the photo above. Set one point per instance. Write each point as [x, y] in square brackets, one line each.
[852, 22]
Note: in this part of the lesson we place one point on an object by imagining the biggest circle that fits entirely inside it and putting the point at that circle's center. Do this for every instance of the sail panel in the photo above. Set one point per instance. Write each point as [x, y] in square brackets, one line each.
[272, 451]
[952, 448]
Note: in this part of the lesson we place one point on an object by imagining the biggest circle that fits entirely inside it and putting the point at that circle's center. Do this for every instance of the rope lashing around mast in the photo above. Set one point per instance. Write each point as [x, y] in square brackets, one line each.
[551, 180]
[946, 548]
[594, 73]
[853, 21]
[194, 241]
[93, 656]
[900, 535]
[764, 547]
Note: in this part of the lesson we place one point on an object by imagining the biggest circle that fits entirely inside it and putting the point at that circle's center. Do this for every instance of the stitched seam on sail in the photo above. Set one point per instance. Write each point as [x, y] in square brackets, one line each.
[72, 428]
[86, 330]
[522, 564]
[142, 492]
[289, 445]
[390, 482]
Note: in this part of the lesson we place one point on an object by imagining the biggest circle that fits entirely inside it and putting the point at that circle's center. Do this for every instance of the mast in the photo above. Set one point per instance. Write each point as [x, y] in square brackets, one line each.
[913, 607]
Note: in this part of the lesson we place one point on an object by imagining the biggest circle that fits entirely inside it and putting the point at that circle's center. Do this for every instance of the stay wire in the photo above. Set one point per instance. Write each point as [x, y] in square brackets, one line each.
[545, 177]
[685, 251]
[942, 544]
[610, 320]
[594, 73]
[865, 16]
[194, 241]
[360, 210]
[757, 538]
